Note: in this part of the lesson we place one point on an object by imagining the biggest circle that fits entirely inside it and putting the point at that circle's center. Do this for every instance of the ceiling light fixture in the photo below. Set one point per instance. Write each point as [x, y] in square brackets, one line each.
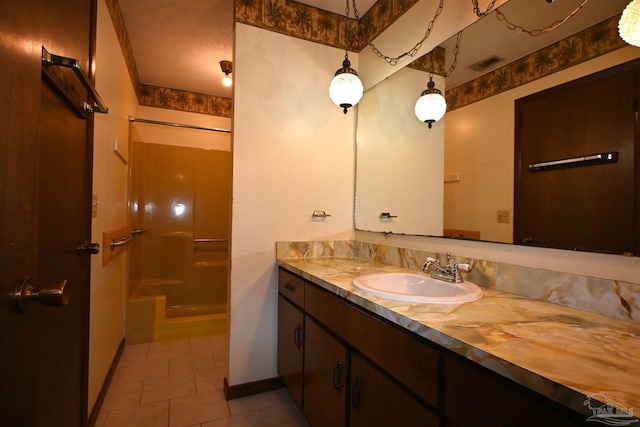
[346, 88]
[629, 24]
[227, 68]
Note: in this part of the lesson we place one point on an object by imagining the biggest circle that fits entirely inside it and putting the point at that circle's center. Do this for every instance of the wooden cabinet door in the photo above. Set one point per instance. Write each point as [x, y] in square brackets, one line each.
[376, 400]
[404, 357]
[476, 398]
[325, 377]
[290, 347]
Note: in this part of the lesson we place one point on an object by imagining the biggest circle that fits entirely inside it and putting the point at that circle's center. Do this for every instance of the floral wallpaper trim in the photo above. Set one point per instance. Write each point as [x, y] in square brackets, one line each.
[588, 44]
[121, 31]
[154, 96]
[431, 62]
[298, 20]
[181, 100]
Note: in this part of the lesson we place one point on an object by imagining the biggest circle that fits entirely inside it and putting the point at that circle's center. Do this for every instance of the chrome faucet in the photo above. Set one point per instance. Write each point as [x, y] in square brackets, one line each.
[448, 273]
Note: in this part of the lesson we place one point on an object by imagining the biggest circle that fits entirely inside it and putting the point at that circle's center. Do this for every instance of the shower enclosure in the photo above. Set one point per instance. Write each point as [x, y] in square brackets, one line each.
[178, 263]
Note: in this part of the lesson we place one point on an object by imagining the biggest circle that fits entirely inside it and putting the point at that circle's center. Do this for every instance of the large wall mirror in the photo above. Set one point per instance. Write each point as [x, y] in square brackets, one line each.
[457, 179]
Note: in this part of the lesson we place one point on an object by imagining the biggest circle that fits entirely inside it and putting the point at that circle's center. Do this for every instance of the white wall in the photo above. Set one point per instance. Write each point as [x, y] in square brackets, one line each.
[109, 184]
[400, 161]
[293, 153]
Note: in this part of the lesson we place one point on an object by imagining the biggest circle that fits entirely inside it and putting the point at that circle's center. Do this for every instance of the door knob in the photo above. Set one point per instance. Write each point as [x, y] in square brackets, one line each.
[26, 291]
[89, 248]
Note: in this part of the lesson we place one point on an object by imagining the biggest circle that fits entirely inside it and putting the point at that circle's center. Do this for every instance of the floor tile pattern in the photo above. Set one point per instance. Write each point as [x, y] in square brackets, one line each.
[179, 384]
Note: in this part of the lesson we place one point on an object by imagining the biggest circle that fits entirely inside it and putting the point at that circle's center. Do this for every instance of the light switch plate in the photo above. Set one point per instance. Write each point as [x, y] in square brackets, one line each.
[504, 217]
[94, 206]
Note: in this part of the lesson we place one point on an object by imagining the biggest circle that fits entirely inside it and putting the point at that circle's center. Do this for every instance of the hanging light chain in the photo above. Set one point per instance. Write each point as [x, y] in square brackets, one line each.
[534, 33]
[455, 56]
[412, 52]
[346, 23]
[478, 12]
[346, 28]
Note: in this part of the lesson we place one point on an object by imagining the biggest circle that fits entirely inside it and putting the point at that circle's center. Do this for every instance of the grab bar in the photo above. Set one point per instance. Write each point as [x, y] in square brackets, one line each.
[62, 61]
[123, 242]
[138, 230]
[592, 159]
[209, 240]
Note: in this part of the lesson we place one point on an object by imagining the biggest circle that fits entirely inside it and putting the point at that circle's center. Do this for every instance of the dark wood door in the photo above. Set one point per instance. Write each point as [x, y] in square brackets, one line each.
[376, 400]
[45, 169]
[475, 397]
[290, 347]
[587, 206]
[325, 377]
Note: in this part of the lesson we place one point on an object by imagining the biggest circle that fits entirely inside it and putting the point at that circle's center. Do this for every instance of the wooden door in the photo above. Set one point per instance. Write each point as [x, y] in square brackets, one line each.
[579, 205]
[45, 169]
[325, 377]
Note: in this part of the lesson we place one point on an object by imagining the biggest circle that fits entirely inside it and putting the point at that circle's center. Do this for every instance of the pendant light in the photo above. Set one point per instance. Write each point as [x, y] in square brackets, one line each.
[629, 24]
[346, 88]
[431, 105]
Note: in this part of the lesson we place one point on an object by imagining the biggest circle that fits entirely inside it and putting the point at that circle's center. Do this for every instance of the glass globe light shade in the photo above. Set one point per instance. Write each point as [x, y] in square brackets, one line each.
[346, 88]
[629, 24]
[431, 105]
[226, 81]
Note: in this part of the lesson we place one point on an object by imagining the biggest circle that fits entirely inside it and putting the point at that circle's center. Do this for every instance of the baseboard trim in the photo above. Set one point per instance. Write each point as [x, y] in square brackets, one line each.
[105, 385]
[248, 389]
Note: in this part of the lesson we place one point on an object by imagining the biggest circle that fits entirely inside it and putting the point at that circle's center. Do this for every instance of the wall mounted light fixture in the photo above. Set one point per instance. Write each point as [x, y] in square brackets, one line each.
[629, 24]
[346, 88]
[227, 68]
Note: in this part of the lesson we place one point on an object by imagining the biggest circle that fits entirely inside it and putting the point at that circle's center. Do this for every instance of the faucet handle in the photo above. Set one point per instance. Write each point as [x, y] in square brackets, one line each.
[463, 267]
[432, 260]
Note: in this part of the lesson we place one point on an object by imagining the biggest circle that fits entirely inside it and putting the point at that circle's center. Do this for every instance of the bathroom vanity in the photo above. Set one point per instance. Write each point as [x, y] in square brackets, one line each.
[348, 358]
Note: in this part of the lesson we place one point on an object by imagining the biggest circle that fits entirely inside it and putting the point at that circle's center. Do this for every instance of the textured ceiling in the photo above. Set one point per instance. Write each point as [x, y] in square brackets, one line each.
[179, 43]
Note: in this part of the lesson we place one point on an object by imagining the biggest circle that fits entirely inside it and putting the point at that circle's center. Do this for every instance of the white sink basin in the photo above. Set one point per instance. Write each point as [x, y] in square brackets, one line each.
[417, 288]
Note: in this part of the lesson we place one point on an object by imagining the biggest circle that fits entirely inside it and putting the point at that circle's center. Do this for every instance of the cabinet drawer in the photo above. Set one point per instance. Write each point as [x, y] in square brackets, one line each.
[291, 287]
[410, 360]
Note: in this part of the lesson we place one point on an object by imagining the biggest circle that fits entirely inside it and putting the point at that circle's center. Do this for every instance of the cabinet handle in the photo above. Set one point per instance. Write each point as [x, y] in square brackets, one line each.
[356, 392]
[337, 376]
[290, 287]
[297, 336]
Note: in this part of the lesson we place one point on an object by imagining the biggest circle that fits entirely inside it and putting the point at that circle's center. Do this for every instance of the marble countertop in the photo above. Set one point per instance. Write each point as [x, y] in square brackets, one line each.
[577, 358]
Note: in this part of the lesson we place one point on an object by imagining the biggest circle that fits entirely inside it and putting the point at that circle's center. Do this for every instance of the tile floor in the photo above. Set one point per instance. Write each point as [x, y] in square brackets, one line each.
[179, 384]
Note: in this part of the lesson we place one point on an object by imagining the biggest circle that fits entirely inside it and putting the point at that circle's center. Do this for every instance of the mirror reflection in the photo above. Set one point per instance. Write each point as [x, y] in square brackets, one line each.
[477, 133]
